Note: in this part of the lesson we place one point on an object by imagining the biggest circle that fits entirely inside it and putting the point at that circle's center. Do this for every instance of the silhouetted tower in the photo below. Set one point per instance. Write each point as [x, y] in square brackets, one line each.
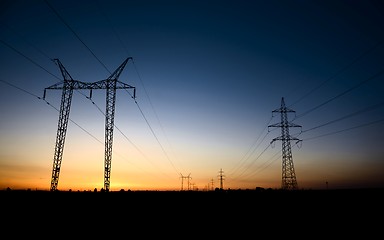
[289, 181]
[221, 178]
[182, 181]
[110, 84]
[67, 86]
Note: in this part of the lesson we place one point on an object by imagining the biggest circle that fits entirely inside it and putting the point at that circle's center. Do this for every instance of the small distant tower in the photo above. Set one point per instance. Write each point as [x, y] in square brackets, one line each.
[221, 179]
[182, 181]
[289, 181]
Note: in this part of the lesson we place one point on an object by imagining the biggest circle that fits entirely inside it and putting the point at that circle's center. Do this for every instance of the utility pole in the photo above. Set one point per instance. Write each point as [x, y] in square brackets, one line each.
[289, 181]
[67, 86]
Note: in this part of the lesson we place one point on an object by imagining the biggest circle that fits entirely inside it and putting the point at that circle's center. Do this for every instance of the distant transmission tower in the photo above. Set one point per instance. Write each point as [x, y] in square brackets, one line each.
[221, 179]
[289, 181]
[212, 184]
[68, 85]
[182, 181]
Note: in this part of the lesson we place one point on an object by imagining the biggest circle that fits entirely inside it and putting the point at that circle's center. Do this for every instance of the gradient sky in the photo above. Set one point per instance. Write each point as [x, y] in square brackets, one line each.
[208, 75]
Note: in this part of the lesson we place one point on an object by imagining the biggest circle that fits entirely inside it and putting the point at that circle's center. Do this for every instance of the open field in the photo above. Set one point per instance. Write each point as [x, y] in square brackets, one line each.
[204, 199]
[240, 213]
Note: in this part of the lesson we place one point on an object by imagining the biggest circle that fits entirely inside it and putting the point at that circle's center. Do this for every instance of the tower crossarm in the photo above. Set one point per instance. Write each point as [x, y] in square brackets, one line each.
[68, 84]
[285, 138]
[74, 84]
[283, 109]
[103, 84]
[288, 124]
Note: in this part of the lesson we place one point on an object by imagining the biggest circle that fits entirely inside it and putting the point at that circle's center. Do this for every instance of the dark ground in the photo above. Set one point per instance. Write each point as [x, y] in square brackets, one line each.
[325, 213]
[225, 200]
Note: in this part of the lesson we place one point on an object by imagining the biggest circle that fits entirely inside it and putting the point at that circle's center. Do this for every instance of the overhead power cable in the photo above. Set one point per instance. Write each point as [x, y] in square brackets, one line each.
[342, 93]
[157, 139]
[35, 63]
[69, 27]
[370, 108]
[346, 129]
[48, 103]
[28, 58]
[358, 58]
[74, 122]
[249, 167]
[103, 12]
[77, 36]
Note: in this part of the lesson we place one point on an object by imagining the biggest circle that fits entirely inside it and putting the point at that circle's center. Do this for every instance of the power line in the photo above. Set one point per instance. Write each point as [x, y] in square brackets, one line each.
[77, 36]
[28, 42]
[74, 122]
[35, 63]
[48, 103]
[370, 108]
[340, 71]
[67, 25]
[38, 65]
[157, 139]
[142, 84]
[28, 58]
[150, 103]
[346, 129]
[248, 154]
[268, 163]
[249, 167]
[125, 136]
[342, 93]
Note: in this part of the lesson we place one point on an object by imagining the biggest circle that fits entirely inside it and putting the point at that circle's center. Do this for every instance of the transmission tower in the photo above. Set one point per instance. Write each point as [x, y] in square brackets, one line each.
[182, 181]
[289, 181]
[67, 86]
[221, 178]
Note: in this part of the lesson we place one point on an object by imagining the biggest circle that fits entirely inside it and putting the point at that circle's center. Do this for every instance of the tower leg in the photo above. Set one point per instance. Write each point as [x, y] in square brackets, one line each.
[66, 99]
[109, 125]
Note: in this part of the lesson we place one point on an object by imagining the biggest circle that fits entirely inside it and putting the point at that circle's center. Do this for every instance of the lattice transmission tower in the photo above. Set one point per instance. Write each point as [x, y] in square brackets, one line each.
[67, 86]
[182, 181]
[289, 181]
[221, 179]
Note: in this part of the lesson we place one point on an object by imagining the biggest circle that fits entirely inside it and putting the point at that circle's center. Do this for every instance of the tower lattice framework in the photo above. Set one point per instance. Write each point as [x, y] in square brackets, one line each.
[289, 181]
[111, 84]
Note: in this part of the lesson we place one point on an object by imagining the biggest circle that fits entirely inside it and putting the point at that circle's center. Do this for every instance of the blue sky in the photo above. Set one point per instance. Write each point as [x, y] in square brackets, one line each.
[208, 75]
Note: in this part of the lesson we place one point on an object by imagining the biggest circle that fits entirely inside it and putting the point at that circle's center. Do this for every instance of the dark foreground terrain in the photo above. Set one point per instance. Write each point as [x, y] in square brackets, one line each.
[249, 200]
[325, 213]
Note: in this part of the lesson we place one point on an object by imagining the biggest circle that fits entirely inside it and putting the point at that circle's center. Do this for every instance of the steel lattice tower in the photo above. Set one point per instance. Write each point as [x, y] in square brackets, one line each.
[182, 180]
[289, 181]
[221, 179]
[110, 84]
[67, 86]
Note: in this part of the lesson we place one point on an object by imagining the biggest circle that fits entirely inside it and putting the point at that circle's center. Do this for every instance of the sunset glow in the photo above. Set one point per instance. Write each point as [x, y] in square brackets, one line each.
[208, 76]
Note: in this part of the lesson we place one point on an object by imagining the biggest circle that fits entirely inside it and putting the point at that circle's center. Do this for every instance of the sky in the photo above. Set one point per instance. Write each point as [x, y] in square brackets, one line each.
[208, 76]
